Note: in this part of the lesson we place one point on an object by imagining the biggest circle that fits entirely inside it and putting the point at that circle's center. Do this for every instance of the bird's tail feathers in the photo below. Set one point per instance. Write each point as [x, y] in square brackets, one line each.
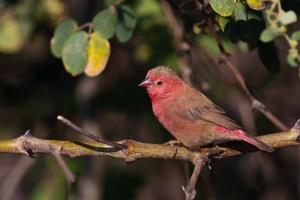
[254, 141]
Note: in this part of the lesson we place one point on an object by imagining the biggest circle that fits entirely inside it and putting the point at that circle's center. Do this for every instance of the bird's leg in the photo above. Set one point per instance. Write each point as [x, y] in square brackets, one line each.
[172, 143]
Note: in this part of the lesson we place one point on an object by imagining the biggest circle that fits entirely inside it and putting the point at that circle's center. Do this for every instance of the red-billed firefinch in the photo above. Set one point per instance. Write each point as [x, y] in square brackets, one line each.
[188, 114]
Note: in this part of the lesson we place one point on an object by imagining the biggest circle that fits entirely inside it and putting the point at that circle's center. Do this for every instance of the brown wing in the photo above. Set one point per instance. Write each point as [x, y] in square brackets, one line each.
[203, 109]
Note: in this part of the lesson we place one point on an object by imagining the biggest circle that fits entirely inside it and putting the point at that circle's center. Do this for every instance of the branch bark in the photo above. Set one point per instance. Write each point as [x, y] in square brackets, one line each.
[28, 145]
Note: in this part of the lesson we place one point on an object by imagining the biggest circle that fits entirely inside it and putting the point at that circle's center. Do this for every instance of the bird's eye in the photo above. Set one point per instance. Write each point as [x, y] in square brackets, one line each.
[159, 82]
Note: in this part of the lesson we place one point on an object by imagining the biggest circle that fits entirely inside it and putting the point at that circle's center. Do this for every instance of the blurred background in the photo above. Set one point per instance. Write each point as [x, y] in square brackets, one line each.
[35, 89]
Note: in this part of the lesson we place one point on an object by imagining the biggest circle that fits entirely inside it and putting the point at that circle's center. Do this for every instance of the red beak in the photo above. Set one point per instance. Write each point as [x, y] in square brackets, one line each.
[146, 82]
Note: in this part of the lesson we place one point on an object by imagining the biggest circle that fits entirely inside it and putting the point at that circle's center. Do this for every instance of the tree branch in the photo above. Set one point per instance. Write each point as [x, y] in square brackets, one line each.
[28, 145]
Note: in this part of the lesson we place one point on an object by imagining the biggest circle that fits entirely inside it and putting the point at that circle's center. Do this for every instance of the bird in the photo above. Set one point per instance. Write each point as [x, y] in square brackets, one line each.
[192, 118]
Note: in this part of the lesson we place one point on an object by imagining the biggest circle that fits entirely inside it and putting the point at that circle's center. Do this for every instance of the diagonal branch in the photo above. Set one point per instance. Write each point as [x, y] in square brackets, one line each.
[71, 178]
[89, 135]
[190, 191]
[225, 58]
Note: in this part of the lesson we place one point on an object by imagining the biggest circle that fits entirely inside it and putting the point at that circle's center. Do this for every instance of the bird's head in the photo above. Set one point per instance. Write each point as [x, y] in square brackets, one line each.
[161, 82]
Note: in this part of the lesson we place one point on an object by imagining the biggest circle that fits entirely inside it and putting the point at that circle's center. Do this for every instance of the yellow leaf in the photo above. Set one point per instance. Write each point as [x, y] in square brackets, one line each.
[98, 54]
[256, 4]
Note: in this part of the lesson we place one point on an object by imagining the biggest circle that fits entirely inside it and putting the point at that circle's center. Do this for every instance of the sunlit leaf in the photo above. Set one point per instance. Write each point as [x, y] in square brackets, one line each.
[126, 23]
[51, 9]
[223, 21]
[256, 4]
[61, 33]
[288, 18]
[242, 12]
[224, 8]
[292, 60]
[74, 52]
[196, 29]
[98, 54]
[105, 22]
[11, 40]
[296, 35]
[268, 34]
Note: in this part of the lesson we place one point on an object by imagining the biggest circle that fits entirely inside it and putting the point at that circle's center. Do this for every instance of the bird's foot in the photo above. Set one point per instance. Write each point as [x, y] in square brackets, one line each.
[213, 153]
[172, 143]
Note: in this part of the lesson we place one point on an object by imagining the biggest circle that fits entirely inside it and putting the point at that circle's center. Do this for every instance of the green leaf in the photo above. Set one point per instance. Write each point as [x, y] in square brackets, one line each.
[256, 4]
[11, 40]
[126, 23]
[269, 56]
[228, 26]
[288, 18]
[296, 35]
[223, 22]
[105, 22]
[292, 60]
[98, 54]
[61, 33]
[74, 52]
[249, 23]
[268, 34]
[224, 8]
[242, 12]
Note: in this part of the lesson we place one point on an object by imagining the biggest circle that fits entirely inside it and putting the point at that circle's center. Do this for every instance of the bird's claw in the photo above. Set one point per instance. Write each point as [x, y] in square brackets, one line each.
[213, 153]
[172, 143]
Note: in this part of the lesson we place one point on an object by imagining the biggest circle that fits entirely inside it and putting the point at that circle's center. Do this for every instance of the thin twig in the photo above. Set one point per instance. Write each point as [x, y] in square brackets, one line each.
[256, 104]
[71, 178]
[89, 135]
[86, 25]
[225, 58]
[27, 145]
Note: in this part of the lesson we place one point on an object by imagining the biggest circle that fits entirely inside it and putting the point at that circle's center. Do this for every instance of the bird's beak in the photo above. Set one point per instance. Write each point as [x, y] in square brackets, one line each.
[146, 82]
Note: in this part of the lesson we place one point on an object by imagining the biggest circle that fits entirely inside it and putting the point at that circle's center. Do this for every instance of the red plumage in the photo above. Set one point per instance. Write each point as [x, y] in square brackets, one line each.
[188, 114]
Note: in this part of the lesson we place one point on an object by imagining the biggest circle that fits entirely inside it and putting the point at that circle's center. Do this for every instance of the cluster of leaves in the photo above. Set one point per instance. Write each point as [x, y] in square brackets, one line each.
[278, 20]
[243, 20]
[88, 52]
[256, 23]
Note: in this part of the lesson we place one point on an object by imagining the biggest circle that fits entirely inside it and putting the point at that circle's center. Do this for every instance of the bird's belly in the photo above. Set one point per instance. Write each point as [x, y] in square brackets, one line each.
[193, 134]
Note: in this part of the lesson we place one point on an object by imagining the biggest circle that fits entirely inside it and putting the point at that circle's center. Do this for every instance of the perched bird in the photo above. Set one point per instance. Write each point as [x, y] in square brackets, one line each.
[189, 115]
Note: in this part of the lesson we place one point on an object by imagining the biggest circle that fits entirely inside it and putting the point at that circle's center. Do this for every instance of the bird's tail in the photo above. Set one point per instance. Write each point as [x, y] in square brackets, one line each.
[252, 140]
[246, 137]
